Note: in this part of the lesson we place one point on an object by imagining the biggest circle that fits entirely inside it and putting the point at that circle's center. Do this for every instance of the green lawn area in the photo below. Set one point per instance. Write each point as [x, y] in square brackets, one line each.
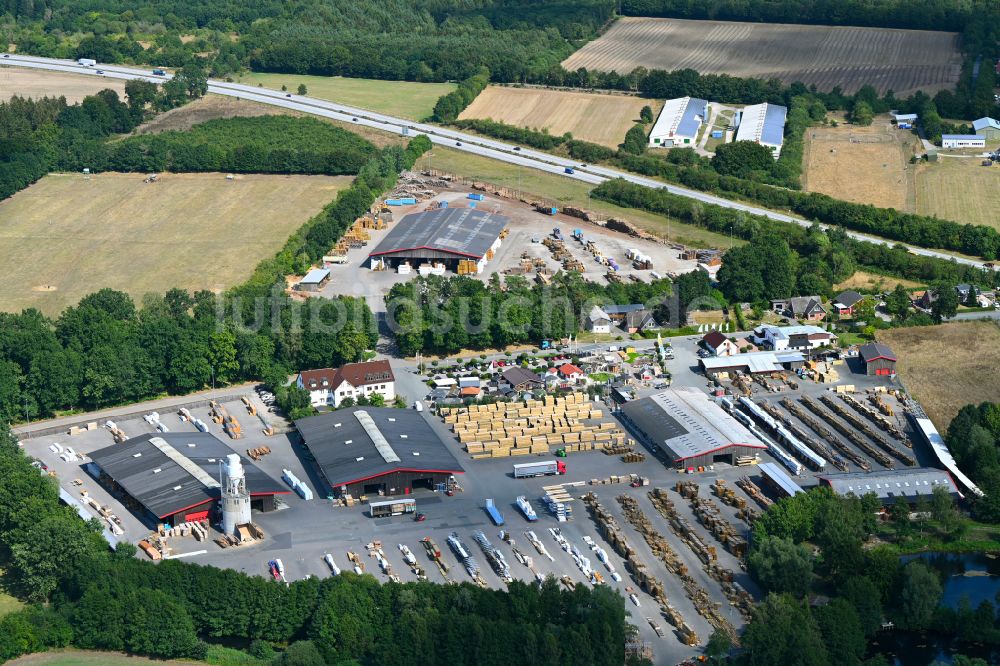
[600, 377]
[407, 99]
[553, 187]
[8, 604]
[88, 658]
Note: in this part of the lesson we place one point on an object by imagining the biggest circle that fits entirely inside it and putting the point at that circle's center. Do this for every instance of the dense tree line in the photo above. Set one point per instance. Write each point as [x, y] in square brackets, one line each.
[974, 439]
[815, 546]
[261, 144]
[114, 601]
[921, 14]
[450, 105]
[540, 139]
[438, 315]
[824, 258]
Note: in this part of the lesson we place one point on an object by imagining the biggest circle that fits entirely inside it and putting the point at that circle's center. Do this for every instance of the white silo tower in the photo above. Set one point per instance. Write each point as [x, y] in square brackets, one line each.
[235, 498]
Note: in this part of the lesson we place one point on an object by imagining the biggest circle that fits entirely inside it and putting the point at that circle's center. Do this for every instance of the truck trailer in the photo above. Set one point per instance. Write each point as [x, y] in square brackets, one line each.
[86, 62]
[544, 468]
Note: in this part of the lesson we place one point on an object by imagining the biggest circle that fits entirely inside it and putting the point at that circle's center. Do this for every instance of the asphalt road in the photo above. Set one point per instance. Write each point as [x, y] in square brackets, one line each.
[478, 145]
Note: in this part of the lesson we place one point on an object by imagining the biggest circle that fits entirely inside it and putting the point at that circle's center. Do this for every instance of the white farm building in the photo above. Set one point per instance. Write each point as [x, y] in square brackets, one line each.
[763, 124]
[963, 141]
[678, 122]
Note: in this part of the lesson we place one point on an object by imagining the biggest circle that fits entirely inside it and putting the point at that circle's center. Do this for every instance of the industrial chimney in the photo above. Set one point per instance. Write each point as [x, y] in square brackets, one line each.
[235, 498]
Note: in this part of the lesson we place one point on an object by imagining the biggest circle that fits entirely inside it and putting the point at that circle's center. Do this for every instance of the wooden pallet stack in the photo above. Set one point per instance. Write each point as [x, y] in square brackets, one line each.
[533, 427]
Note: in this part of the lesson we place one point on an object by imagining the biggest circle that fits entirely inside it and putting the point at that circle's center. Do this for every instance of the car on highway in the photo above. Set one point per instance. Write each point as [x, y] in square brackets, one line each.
[458, 143]
[515, 147]
[288, 94]
[101, 72]
[6, 55]
[354, 119]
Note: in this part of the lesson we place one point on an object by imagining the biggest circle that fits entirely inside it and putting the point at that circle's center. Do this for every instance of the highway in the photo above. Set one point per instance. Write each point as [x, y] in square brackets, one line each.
[485, 147]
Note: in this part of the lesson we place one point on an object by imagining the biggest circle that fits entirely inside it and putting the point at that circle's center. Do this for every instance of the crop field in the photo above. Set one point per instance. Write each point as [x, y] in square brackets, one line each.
[593, 117]
[869, 165]
[947, 367]
[39, 83]
[68, 235]
[407, 99]
[959, 189]
[865, 281]
[902, 60]
[564, 191]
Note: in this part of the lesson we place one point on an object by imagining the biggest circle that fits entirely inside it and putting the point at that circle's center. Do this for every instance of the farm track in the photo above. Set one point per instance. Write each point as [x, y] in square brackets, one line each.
[825, 56]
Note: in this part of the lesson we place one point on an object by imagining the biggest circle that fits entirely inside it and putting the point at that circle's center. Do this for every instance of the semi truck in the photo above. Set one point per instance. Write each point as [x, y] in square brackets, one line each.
[494, 513]
[86, 62]
[544, 468]
[159, 72]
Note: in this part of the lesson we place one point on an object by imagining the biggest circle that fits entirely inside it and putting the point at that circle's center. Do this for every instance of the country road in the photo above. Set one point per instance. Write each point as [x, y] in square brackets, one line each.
[470, 143]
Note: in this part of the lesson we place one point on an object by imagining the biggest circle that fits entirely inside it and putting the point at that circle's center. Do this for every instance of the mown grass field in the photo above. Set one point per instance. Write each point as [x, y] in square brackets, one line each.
[866, 281]
[86, 658]
[825, 56]
[67, 236]
[563, 191]
[960, 189]
[407, 99]
[948, 366]
[868, 165]
[37, 83]
[593, 117]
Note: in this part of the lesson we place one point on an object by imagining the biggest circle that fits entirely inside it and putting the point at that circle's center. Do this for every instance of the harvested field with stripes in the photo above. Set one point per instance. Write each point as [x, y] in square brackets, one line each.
[901, 60]
[593, 117]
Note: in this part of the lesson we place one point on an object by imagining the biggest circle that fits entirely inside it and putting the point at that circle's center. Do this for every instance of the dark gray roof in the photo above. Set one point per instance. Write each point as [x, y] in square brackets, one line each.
[848, 298]
[467, 232]
[346, 452]
[518, 375]
[889, 484]
[158, 490]
[874, 350]
[778, 476]
[623, 309]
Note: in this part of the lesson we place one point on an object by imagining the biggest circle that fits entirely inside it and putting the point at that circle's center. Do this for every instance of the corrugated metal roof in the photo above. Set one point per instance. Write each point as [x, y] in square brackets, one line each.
[983, 123]
[763, 361]
[688, 423]
[962, 137]
[163, 486]
[680, 117]
[937, 444]
[316, 275]
[346, 452]
[889, 484]
[467, 232]
[763, 123]
[778, 476]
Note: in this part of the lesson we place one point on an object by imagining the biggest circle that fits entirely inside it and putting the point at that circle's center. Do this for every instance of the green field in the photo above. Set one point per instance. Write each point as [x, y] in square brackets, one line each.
[8, 604]
[406, 99]
[85, 658]
[552, 187]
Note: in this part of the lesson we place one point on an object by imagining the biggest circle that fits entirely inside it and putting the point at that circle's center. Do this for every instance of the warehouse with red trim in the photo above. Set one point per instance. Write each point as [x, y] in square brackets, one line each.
[879, 359]
[378, 451]
[175, 477]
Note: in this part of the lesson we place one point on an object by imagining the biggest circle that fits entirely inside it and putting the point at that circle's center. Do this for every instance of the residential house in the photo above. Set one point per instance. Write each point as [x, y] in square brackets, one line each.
[807, 308]
[781, 338]
[618, 313]
[639, 321]
[522, 379]
[845, 301]
[470, 392]
[330, 386]
[719, 344]
[923, 299]
[570, 372]
[598, 321]
[963, 292]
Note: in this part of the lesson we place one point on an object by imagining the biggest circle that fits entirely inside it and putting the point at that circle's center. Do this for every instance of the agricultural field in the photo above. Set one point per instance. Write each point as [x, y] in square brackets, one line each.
[68, 235]
[865, 281]
[869, 165]
[593, 117]
[563, 191]
[947, 366]
[406, 99]
[902, 60]
[39, 83]
[959, 189]
[211, 107]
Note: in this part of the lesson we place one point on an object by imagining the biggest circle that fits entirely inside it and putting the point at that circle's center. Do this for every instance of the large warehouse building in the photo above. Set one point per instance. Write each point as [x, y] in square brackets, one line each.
[174, 477]
[763, 124]
[890, 485]
[377, 451]
[691, 428]
[678, 122]
[443, 235]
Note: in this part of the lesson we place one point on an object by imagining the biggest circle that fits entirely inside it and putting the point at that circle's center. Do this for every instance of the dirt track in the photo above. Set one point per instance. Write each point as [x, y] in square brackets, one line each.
[901, 60]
